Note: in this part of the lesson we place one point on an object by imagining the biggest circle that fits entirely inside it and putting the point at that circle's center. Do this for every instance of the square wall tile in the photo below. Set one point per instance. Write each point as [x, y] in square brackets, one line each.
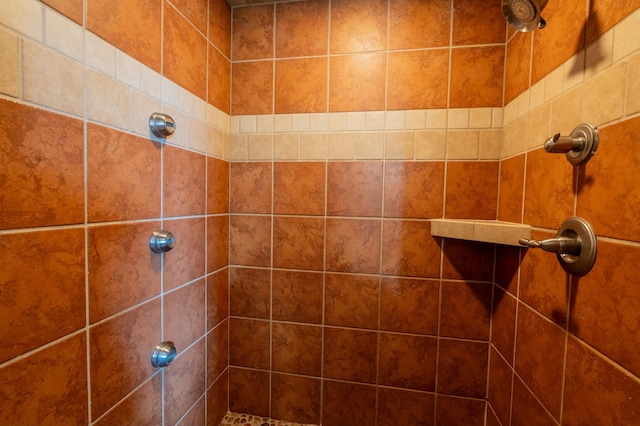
[252, 88]
[413, 190]
[296, 348]
[184, 314]
[295, 398]
[217, 351]
[348, 403]
[252, 36]
[358, 26]
[144, 406]
[299, 188]
[518, 65]
[132, 164]
[467, 260]
[35, 314]
[48, 386]
[298, 243]
[357, 82]
[471, 190]
[133, 28]
[400, 406]
[301, 85]
[407, 361]
[249, 240]
[477, 23]
[41, 168]
[354, 189]
[249, 391]
[184, 182]
[526, 408]
[122, 271]
[500, 386]
[511, 189]
[218, 242]
[503, 323]
[477, 75]
[418, 25]
[409, 249]
[217, 186]
[297, 296]
[220, 26]
[250, 292]
[184, 383]
[462, 368]
[250, 187]
[219, 80]
[465, 310]
[194, 11]
[459, 411]
[353, 245]
[351, 300]
[302, 29]
[249, 343]
[409, 305]
[350, 355]
[407, 86]
[217, 297]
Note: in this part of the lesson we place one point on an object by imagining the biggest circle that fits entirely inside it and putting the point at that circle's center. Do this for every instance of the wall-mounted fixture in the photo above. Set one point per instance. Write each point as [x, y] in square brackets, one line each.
[575, 245]
[163, 354]
[161, 241]
[161, 125]
[524, 15]
[579, 146]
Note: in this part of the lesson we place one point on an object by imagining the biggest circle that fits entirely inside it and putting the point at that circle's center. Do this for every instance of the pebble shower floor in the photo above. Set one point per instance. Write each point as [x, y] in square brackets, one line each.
[238, 419]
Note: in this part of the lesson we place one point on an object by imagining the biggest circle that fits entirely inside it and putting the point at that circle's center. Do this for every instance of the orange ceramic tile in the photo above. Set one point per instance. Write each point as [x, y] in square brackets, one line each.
[467, 260]
[131, 27]
[220, 26]
[219, 81]
[296, 348]
[358, 26]
[353, 245]
[217, 297]
[409, 249]
[477, 23]
[47, 387]
[562, 37]
[135, 333]
[249, 343]
[132, 190]
[604, 14]
[252, 36]
[471, 190]
[399, 406]
[184, 182]
[295, 399]
[186, 261]
[351, 300]
[413, 189]
[508, 259]
[302, 28]
[407, 361]
[184, 382]
[218, 399]
[511, 189]
[41, 162]
[72, 9]
[196, 414]
[500, 385]
[459, 411]
[588, 394]
[503, 323]
[410, 306]
[347, 403]
[527, 409]
[301, 85]
[249, 391]
[540, 347]
[477, 76]
[299, 188]
[195, 11]
[354, 189]
[297, 296]
[122, 269]
[465, 310]
[184, 53]
[357, 82]
[416, 25]
[250, 187]
[144, 406]
[250, 292]
[218, 241]
[518, 66]
[184, 314]
[252, 88]
[462, 368]
[217, 186]
[350, 355]
[606, 301]
[250, 240]
[608, 199]
[545, 205]
[43, 289]
[543, 283]
[298, 243]
[418, 79]
[217, 351]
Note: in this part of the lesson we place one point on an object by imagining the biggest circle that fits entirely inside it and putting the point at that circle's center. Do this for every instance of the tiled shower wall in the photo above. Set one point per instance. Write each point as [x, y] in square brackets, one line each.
[83, 300]
[354, 122]
[565, 349]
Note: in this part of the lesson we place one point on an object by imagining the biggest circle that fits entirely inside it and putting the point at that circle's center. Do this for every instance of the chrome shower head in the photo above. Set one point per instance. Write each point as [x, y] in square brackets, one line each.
[523, 15]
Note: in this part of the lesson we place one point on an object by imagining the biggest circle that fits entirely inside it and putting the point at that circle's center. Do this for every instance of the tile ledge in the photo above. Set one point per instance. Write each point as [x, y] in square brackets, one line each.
[488, 231]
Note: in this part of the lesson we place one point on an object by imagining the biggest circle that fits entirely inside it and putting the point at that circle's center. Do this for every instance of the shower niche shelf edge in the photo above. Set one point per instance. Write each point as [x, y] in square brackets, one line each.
[487, 231]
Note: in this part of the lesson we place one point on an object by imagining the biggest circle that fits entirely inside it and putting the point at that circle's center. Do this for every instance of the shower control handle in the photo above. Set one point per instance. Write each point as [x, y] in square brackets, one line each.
[555, 245]
[563, 144]
[579, 146]
[161, 241]
[161, 125]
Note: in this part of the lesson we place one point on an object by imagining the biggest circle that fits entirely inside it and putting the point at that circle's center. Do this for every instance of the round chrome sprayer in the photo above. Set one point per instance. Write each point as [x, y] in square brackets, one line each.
[524, 15]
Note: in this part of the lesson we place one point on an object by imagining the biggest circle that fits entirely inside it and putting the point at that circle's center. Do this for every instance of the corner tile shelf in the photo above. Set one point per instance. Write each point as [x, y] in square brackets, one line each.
[488, 231]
